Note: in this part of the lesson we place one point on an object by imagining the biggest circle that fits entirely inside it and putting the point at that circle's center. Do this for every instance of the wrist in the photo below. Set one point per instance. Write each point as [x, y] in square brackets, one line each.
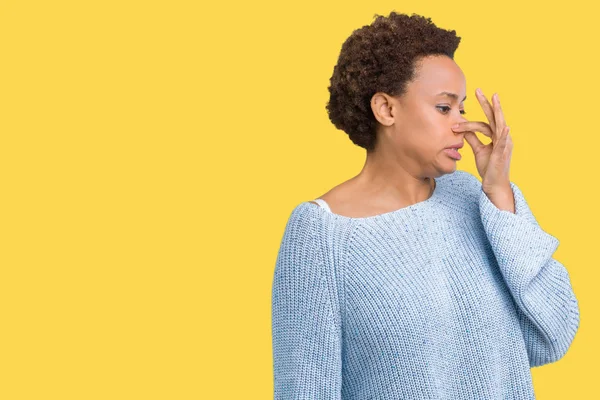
[503, 199]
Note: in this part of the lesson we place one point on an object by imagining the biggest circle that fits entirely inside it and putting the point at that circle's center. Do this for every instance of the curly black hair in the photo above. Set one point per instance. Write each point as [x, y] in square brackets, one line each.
[380, 57]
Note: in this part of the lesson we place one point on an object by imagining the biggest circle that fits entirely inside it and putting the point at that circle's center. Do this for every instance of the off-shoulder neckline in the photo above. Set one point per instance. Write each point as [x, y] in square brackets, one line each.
[413, 207]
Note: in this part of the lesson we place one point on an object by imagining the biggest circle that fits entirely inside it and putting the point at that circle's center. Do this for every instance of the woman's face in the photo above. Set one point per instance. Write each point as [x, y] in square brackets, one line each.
[424, 115]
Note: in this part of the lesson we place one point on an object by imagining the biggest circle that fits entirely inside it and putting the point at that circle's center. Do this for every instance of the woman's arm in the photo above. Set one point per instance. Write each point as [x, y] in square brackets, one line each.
[306, 336]
[546, 304]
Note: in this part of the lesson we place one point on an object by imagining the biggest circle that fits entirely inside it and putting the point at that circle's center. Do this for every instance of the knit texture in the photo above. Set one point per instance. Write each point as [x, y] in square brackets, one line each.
[449, 298]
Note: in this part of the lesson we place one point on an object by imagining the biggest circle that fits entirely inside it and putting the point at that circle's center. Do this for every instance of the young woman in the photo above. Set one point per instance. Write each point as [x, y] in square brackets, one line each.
[414, 280]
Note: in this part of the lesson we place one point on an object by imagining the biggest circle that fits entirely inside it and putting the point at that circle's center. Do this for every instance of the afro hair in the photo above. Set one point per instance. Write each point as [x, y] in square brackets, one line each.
[380, 57]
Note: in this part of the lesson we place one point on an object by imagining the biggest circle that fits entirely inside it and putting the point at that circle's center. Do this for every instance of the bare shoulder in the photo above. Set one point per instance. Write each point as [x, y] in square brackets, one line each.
[334, 195]
[348, 200]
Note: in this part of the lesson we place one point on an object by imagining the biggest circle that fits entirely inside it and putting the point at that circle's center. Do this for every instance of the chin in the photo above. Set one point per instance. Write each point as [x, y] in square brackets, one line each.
[448, 167]
[455, 165]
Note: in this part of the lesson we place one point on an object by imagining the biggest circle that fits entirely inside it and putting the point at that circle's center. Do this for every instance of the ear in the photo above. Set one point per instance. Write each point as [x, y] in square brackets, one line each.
[383, 108]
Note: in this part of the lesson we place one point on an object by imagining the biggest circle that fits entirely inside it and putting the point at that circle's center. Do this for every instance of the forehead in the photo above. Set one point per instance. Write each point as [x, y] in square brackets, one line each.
[438, 74]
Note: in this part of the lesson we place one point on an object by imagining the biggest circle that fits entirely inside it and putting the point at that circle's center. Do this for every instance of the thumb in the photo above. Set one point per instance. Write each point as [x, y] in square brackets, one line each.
[473, 141]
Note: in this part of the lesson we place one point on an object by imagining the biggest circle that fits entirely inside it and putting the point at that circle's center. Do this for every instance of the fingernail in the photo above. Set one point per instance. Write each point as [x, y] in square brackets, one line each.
[479, 92]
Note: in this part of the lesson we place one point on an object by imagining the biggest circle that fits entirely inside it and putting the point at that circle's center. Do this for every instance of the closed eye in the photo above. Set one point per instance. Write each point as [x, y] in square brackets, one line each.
[446, 109]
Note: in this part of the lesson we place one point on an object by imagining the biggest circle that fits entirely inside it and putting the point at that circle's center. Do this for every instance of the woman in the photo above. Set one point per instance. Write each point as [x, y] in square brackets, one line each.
[413, 280]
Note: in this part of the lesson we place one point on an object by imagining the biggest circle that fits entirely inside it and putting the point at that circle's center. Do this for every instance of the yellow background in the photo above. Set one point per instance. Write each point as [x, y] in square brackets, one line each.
[152, 152]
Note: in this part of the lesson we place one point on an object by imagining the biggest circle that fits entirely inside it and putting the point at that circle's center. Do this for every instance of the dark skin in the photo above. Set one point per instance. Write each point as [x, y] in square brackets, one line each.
[492, 159]
[414, 131]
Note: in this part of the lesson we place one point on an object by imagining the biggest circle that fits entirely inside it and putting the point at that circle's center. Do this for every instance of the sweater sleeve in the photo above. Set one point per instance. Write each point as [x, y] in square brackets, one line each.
[306, 335]
[540, 285]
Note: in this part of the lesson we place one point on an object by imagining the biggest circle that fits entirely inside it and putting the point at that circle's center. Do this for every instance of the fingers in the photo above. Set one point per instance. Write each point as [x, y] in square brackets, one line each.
[474, 126]
[503, 145]
[498, 115]
[494, 114]
[474, 141]
[508, 143]
[487, 108]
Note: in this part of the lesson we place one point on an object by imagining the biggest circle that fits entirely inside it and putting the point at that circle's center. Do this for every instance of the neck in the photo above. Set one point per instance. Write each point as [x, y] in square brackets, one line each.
[390, 180]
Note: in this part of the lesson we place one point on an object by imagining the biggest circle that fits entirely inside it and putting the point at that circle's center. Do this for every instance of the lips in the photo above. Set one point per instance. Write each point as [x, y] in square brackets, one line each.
[453, 152]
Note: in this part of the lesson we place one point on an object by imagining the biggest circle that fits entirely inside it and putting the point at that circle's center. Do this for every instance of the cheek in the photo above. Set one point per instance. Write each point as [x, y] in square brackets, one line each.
[422, 132]
[422, 122]
[428, 120]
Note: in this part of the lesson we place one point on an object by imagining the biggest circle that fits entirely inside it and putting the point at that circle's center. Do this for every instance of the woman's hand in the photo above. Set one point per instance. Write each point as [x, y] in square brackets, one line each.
[493, 159]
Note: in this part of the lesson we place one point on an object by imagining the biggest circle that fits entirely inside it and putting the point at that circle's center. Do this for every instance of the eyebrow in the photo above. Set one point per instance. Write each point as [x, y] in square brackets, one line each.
[453, 95]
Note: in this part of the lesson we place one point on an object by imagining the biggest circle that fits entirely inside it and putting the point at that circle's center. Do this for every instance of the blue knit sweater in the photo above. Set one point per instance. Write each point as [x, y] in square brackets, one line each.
[449, 298]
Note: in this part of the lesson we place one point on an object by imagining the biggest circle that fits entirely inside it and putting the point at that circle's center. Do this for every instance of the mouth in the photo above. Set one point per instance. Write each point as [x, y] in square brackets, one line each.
[453, 153]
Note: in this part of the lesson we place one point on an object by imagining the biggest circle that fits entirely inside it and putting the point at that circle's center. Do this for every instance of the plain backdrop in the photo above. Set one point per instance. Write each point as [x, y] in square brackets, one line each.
[152, 152]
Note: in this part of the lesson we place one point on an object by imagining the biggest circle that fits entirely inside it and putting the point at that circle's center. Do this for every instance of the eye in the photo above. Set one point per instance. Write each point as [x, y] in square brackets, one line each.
[446, 109]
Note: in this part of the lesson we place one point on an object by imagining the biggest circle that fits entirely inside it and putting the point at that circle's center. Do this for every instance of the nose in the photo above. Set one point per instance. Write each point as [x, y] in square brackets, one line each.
[460, 119]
